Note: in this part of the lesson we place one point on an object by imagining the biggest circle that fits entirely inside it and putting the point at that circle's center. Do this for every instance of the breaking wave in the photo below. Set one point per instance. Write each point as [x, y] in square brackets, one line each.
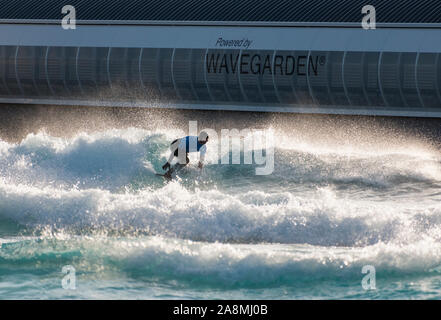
[95, 200]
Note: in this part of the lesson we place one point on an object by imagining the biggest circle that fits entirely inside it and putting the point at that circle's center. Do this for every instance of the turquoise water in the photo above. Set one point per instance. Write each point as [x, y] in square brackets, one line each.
[304, 232]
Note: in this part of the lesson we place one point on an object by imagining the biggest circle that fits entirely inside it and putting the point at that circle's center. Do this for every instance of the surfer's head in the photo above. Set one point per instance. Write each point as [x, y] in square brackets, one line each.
[203, 137]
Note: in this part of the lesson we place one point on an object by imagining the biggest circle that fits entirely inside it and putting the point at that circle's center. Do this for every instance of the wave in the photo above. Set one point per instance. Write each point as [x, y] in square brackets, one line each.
[212, 215]
[104, 160]
[94, 201]
[116, 158]
[105, 182]
[219, 265]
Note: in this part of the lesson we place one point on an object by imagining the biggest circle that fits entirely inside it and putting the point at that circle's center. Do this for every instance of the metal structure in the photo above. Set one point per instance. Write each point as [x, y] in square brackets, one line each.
[260, 55]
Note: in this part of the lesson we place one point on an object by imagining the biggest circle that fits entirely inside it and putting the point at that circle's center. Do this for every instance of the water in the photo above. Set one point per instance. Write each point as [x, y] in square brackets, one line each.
[92, 201]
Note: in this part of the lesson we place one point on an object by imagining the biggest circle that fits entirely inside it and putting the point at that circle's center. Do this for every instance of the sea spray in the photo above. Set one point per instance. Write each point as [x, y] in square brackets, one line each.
[92, 201]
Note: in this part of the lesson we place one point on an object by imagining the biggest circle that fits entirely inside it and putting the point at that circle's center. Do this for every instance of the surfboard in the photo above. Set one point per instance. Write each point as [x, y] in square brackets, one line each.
[174, 169]
[164, 176]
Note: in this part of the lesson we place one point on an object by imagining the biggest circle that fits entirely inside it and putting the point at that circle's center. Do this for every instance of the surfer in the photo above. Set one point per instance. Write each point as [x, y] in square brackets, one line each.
[180, 148]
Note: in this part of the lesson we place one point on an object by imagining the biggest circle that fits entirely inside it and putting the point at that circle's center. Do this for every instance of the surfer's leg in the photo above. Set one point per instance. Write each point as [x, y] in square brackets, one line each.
[174, 153]
[178, 166]
[182, 156]
[168, 173]
[187, 161]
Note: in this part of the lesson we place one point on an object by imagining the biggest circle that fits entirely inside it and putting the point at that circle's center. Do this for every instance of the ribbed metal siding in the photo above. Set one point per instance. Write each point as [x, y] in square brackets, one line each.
[182, 75]
[134, 83]
[337, 88]
[165, 77]
[372, 82]
[319, 83]
[149, 72]
[198, 74]
[390, 78]
[117, 64]
[285, 89]
[216, 81]
[389, 11]
[56, 71]
[3, 69]
[234, 84]
[427, 74]
[353, 78]
[10, 72]
[72, 80]
[398, 81]
[266, 81]
[408, 82]
[250, 81]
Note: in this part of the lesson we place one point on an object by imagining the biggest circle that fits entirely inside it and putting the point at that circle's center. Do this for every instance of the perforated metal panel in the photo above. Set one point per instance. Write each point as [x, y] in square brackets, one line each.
[262, 78]
[41, 76]
[320, 82]
[149, 73]
[253, 66]
[70, 55]
[427, 74]
[302, 70]
[284, 67]
[337, 88]
[166, 81]
[25, 59]
[408, 82]
[4, 91]
[266, 79]
[390, 78]
[216, 80]
[354, 78]
[56, 71]
[233, 64]
[198, 74]
[182, 74]
[372, 83]
[117, 65]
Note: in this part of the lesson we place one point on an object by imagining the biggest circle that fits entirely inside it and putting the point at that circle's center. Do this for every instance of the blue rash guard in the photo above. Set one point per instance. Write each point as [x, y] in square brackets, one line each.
[189, 144]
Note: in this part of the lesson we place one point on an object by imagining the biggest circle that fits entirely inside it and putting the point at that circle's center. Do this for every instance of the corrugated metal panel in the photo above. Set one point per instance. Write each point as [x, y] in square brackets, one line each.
[343, 11]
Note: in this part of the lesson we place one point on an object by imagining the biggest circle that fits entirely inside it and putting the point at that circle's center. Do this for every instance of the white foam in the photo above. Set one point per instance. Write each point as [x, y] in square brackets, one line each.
[84, 183]
[227, 265]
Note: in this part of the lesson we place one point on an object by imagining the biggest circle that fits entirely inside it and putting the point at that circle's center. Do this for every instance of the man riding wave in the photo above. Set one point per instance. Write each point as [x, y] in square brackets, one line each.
[180, 148]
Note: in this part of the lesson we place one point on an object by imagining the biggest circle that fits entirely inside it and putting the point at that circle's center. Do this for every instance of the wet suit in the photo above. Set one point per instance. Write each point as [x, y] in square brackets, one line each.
[180, 148]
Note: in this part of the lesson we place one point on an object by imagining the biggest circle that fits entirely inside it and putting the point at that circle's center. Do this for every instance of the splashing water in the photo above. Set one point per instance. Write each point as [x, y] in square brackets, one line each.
[94, 202]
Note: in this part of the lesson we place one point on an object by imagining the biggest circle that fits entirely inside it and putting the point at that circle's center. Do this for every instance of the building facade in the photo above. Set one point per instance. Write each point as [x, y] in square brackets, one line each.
[259, 55]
